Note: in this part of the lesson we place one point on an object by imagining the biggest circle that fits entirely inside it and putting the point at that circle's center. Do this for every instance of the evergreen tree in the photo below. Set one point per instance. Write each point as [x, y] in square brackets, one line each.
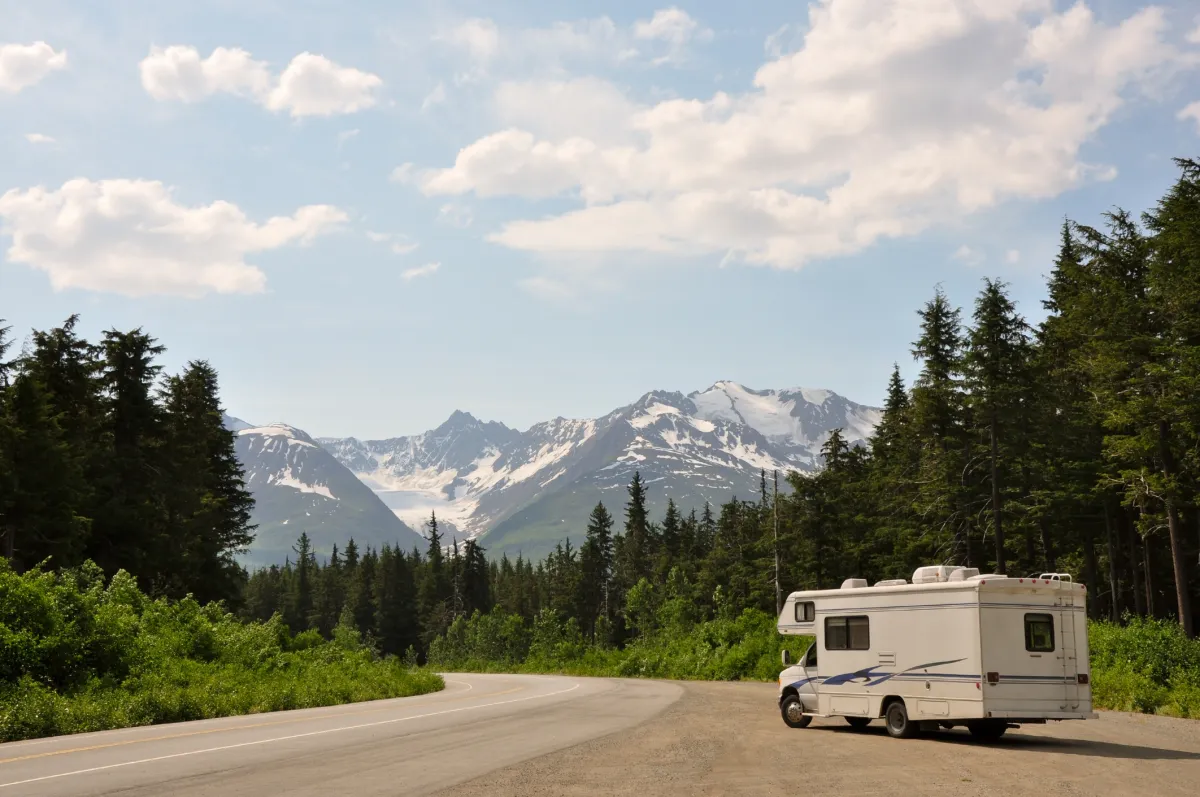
[298, 611]
[129, 526]
[38, 518]
[997, 358]
[208, 506]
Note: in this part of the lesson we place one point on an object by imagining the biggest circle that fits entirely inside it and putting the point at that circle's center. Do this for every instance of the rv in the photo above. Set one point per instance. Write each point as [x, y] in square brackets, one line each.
[953, 648]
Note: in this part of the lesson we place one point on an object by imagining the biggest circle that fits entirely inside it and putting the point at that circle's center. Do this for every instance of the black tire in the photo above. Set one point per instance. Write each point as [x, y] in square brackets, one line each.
[898, 723]
[987, 730]
[793, 712]
[858, 723]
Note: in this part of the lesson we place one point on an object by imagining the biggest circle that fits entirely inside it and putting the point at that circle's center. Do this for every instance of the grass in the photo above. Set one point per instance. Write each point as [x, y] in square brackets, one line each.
[77, 655]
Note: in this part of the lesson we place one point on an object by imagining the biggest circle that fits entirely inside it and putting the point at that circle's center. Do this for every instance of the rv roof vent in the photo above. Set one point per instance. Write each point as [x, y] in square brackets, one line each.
[932, 574]
[963, 573]
[988, 576]
[892, 582]
[854, 583]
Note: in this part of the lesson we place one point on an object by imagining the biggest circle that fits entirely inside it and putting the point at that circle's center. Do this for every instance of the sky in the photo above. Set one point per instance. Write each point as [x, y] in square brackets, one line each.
[366, 215]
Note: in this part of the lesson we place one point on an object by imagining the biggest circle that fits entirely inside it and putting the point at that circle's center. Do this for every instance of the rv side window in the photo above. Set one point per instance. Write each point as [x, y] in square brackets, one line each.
[1039, 633]
[805, 612]
[810, 659]
[847, 633]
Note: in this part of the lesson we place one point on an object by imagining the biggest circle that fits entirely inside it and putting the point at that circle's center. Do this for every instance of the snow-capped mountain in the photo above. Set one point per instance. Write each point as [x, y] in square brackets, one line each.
[298, 486]
[528, 490]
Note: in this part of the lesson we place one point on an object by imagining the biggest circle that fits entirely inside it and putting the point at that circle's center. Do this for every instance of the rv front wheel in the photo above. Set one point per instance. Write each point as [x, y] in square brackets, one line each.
[793, 712]
[898, 724]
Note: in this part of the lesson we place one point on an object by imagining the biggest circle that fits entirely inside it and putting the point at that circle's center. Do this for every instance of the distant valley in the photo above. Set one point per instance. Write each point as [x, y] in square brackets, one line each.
[522, 492]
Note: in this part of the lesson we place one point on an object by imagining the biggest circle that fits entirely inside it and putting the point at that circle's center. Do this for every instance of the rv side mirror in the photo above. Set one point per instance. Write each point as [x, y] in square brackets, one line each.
[787, 658]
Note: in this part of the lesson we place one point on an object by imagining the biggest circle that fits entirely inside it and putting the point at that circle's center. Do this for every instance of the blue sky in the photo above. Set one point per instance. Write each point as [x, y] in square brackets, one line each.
[534, 209]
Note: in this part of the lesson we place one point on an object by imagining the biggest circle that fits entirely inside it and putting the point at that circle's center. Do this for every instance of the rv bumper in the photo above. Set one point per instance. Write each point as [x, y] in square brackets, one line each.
[1017, 716]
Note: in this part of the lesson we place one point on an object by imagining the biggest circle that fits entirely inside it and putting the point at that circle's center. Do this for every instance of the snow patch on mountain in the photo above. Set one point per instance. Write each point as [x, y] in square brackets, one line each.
[477, 474]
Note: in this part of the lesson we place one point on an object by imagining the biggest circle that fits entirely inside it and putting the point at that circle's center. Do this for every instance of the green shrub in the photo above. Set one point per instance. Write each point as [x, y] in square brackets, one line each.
[79, 655]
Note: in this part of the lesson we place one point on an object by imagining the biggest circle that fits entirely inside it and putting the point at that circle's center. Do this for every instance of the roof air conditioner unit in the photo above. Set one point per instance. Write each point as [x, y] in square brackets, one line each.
[963, 573]
[854, 583]
[933, 574]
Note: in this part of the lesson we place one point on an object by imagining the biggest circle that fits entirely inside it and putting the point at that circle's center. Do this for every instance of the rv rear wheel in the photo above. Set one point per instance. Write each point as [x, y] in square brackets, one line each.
[793, 712]
[898, 724]
[858, 723]
[987, 730]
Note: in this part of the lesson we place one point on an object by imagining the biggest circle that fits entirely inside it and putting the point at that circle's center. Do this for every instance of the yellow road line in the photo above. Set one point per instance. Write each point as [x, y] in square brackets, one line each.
[188, 734]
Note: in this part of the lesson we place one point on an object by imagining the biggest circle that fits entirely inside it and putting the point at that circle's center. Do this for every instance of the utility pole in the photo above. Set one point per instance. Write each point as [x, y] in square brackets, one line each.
[778, 603]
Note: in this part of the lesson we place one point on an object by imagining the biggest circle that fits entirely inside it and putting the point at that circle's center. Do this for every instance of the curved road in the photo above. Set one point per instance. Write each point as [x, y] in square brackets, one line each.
[411, 745]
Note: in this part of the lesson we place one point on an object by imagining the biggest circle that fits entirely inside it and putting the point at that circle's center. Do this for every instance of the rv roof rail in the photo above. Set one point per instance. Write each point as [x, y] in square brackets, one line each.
[1056, 577]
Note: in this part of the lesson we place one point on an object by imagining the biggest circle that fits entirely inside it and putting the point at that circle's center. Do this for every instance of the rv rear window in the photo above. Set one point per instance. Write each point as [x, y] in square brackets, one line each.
[1039, 633]
[847, 633]
[806, 612]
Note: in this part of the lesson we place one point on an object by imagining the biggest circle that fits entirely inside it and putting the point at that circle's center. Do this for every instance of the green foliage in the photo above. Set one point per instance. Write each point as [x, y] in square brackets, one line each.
[79, 654]
[1147, 665]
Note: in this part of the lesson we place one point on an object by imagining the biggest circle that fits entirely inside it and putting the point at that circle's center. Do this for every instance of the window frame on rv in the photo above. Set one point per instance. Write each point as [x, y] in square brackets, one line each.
[1038, 618]
[845, 620]
[805, 612]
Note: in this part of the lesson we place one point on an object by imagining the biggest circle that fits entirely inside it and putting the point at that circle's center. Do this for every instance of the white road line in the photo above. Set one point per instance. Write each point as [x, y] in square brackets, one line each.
[282, 738]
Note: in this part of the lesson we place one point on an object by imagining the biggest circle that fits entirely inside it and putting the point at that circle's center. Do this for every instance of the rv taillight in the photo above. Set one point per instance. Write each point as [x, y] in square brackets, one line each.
[993, 677]
[1082, 678]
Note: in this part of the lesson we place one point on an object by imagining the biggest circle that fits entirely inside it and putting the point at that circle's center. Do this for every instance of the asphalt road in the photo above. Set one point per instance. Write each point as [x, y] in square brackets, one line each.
[415, 745]
[497, 735]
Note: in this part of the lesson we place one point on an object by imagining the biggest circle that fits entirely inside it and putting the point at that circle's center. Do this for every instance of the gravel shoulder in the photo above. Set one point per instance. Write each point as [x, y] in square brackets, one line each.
[727, 738]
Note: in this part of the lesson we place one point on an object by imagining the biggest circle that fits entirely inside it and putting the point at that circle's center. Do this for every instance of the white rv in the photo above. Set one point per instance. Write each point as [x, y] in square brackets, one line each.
[952, 648]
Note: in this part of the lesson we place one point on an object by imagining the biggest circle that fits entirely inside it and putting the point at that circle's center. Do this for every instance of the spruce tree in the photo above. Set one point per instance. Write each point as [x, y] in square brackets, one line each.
[997, 358]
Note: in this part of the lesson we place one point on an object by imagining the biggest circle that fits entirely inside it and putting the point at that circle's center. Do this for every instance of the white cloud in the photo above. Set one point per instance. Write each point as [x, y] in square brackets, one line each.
[675, 27]
[968, 256]
[401, 244]
[38, 138]
[310, 85]
[490, 48]
[131, 237]
[456, 215]
[22, 65]
[1012, 256]
[403, 173]
[435, 97]
[1192, 112]
[781, 41]
[345, 136]
[420, 271]
[1194, 36]
[479, 37]
[893, 116]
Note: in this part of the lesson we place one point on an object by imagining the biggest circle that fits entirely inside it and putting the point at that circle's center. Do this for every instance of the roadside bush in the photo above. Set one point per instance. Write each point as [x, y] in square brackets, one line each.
[1145, 665]
[79, 655]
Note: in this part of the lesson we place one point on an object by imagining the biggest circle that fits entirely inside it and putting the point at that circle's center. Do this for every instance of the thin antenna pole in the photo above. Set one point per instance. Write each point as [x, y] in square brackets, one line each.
[778, 604]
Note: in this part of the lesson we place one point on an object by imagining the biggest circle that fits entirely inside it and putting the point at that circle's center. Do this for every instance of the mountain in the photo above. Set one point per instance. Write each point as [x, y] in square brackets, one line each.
[525, 491]
[299, 486]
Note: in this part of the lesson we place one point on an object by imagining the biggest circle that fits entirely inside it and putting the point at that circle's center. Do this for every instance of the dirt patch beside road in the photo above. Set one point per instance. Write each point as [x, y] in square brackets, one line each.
[727, 738]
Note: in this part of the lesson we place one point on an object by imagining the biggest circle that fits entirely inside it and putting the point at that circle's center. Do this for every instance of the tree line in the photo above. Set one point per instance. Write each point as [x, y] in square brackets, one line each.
[105, 458]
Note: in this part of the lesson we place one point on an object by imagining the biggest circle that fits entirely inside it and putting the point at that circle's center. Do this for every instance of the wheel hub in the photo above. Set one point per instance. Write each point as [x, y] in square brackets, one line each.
[795, 711]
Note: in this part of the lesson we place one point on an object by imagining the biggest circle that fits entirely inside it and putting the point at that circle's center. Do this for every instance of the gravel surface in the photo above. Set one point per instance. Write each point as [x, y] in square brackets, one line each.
[727, 738]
